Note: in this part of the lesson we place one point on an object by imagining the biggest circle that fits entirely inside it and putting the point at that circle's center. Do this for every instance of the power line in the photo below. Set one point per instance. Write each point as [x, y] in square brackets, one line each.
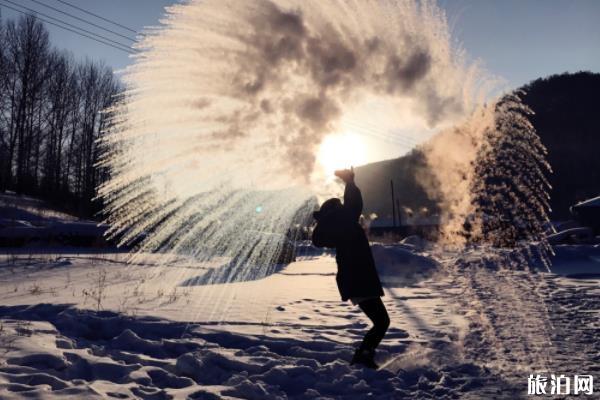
[97, 16]
[68, 24]
[96, 35]
[125, 49]
[401, 139]
[82, 20]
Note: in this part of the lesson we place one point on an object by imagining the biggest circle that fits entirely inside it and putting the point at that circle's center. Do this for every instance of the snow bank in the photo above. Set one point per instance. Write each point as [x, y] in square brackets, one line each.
[26, 221]
[576, 261]
[400, 265]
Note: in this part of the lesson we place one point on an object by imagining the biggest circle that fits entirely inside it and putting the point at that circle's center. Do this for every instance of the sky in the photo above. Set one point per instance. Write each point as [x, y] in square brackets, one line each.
[135, 14]
[517, 40]
[521, 40]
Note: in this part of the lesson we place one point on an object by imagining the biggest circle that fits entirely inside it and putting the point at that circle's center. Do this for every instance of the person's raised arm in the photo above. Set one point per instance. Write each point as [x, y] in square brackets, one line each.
[353, 202]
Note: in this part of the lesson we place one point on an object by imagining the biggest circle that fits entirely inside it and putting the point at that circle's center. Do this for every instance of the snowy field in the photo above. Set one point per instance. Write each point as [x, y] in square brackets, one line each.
[84, 323]
[477, 334]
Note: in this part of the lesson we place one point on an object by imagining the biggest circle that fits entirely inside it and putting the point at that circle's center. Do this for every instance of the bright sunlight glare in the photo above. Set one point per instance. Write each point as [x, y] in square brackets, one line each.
[339, 151]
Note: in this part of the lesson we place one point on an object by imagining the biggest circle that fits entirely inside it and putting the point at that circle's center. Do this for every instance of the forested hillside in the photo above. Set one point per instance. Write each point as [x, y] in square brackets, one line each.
[568, 122]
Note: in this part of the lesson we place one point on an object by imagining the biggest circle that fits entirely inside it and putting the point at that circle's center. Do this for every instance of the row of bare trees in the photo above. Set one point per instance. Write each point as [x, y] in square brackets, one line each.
[50, 117]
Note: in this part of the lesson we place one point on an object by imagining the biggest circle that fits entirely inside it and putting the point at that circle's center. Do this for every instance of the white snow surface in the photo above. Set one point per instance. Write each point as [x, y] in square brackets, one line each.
[83, 324]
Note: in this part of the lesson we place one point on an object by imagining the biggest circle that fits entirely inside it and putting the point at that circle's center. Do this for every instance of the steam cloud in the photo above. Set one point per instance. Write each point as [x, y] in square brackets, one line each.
[277, 76]
[334, 64]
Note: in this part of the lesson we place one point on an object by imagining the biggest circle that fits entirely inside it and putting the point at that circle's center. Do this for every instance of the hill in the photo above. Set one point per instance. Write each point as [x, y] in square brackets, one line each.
[566, 119]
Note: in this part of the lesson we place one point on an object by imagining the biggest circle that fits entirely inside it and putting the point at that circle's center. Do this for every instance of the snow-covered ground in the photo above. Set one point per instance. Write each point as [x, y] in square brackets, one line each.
[285, 336]
[77, 323]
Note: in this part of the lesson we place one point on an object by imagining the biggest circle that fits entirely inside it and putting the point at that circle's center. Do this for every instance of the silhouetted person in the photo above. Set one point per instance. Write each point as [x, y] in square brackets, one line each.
[357, 279]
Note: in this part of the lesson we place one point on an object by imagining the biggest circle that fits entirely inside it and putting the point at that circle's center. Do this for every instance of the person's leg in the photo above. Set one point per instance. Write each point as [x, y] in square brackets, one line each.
[375, 310]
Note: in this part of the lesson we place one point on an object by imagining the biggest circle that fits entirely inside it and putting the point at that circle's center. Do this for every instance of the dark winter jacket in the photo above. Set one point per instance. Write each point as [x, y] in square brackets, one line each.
[339, 228]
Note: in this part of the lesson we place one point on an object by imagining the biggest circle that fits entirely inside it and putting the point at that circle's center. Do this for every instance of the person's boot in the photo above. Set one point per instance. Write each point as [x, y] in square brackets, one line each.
[365, 358]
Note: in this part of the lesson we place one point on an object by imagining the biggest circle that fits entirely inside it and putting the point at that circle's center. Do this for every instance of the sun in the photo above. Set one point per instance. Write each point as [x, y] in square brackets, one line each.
[340, 151]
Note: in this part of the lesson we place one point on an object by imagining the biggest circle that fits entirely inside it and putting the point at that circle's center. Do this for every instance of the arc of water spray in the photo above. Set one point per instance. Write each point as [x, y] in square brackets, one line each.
[227, 103]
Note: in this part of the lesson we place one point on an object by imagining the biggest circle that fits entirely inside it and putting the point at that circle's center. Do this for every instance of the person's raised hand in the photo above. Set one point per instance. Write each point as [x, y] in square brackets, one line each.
[347, 175]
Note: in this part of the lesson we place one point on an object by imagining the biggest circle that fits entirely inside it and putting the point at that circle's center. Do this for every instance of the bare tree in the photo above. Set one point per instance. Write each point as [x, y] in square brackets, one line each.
[50, 117]
[28, 47]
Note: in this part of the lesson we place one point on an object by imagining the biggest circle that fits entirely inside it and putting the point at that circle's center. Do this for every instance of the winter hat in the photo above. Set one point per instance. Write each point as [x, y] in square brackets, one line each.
[327, 208]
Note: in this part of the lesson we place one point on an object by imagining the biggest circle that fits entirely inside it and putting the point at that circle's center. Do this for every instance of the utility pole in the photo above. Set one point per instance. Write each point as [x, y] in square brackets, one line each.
[393, 203]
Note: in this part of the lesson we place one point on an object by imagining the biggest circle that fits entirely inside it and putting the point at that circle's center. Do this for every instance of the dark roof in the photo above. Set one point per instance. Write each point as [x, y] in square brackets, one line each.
[595, 202]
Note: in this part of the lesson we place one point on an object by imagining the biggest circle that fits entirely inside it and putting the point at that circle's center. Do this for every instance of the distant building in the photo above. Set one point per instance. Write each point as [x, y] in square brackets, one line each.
[424, 226]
